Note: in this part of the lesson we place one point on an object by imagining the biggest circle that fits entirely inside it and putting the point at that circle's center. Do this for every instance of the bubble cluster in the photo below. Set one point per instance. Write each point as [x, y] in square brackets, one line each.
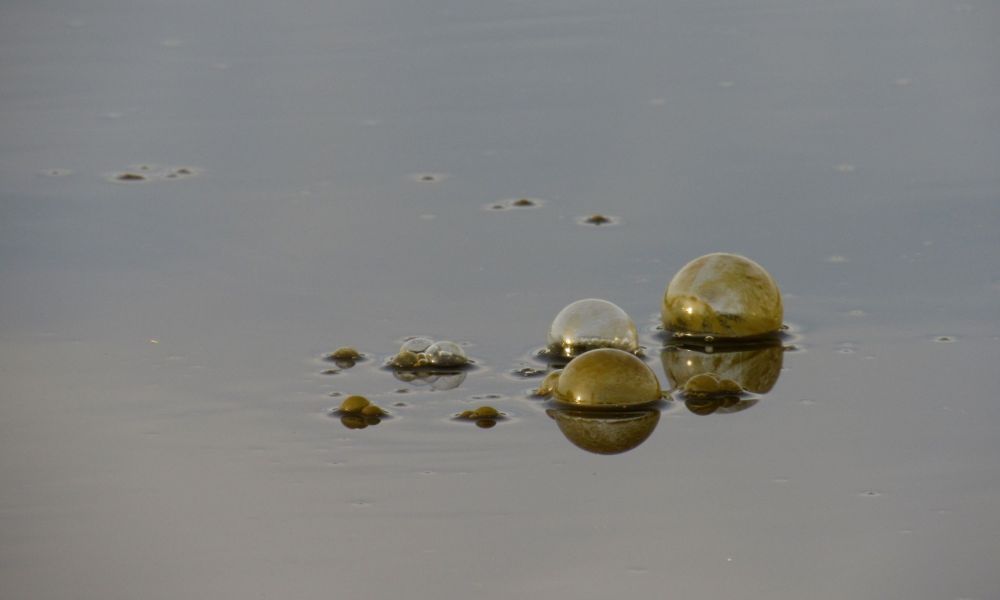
[722, 296]
[423, 353]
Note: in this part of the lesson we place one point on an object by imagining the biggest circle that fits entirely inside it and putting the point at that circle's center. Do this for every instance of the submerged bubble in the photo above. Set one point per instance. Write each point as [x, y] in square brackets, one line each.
[607, 378]
[722, 295]
[592, 323]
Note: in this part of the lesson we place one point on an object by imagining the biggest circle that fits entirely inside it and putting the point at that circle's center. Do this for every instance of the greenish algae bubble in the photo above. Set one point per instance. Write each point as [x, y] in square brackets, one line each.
[354, 404]
[754, 369]
[607, 378]
[722, 296]
[548, 385]
[592, 323]
[606, 432]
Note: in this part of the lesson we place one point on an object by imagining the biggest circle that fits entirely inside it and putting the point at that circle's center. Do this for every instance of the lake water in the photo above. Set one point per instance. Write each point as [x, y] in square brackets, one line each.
[320, 174]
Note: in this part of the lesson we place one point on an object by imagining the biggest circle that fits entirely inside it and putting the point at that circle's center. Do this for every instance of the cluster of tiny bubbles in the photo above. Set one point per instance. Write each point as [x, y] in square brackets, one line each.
[357, 412]
[422, 353]
[722, 296]
[588, 324]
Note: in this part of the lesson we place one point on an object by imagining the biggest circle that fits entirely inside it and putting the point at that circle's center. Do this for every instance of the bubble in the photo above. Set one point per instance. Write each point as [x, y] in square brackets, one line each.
[592, 323]
[548, 385]
[446, 354]
[416, 345]
[722, 295]
[607, 378]
[354, 404]
[605, 432]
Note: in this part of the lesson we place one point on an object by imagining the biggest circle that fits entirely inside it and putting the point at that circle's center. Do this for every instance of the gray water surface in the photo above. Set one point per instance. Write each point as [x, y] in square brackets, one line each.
[163, 408]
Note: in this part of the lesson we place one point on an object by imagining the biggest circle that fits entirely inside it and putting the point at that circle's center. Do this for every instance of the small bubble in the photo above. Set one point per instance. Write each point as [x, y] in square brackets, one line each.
[598, 220]
[130, 177]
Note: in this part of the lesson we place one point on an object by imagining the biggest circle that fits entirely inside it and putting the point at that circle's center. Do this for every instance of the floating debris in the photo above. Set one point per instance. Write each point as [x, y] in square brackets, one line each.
[722, 296]
[607, 378]
[130, 177]
[598, 220]
[147, 173]
[515, 204]
[429, 177]
[592, 323]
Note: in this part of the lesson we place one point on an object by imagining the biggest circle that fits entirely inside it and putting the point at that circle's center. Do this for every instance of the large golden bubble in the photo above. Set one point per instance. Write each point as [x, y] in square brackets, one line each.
[607, 378]
[722, 296]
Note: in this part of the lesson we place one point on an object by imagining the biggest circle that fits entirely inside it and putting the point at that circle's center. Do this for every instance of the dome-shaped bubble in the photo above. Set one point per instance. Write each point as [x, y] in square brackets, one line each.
[723, 296]
[416, 345]
[607, 378]
[606, 432]
[592, 323]
[446, 354]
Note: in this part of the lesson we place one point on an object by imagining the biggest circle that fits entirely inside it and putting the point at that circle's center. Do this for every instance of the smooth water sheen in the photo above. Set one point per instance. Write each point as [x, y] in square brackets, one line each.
[201, 201]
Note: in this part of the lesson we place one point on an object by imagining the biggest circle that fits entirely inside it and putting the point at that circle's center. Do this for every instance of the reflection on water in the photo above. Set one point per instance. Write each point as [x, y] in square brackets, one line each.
[710, 379]
[603, 432]
[435, 380]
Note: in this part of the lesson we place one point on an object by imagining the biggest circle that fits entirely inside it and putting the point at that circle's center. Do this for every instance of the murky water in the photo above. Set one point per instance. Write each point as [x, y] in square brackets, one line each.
[202, 200]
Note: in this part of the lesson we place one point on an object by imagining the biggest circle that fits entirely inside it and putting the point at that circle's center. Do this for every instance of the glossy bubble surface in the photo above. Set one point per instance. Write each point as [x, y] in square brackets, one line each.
[723, 296]
[446, 354]
[607, 378]
[592, 323]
